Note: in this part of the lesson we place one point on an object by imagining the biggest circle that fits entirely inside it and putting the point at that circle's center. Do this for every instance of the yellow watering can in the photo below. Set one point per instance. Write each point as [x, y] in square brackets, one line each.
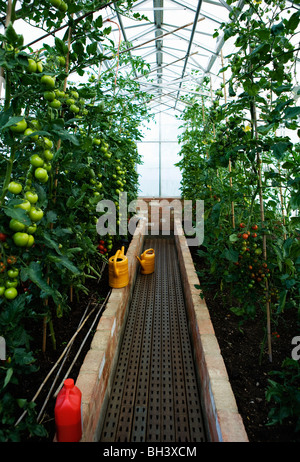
[147, 261]
[118, 270]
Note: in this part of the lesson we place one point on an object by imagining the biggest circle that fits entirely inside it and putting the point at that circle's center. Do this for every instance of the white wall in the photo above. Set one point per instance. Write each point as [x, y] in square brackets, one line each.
[159, 150]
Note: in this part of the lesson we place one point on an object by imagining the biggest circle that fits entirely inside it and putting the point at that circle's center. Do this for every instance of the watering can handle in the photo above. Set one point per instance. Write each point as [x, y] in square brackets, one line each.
[116, 272]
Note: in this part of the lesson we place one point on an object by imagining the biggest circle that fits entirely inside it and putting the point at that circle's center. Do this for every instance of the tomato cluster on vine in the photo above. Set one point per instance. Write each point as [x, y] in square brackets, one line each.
[105, 245]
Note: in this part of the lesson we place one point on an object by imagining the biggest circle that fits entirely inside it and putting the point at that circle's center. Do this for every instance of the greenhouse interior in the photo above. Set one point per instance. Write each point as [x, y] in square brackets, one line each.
[149, 226]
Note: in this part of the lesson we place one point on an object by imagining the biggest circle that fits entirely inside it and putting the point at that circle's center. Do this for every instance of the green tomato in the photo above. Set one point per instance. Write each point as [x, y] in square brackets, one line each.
[2, 290]
[48, 143]
[19, 127]
[39, 66]
[74, 108]
[48, 155]
[60, 93]
[13, 273]
[61, 60]
[47, 167]
[16, 225]
[32, 66]
[40, 174]
[75, 94]
[25, 205]
[48, 81]
[36, 160]
[31, 197]
[44, 180]
[258, 251]
[28, 132]
[20, 239]
[11, 283]
[36, 214]
[63, 7]
[96, 141]
[55, 3]
[31, 229]
[49, 95]
[10, 293]
[30, 241]
[14, 187]
[70, 101]
[55, 104]
[36, 124]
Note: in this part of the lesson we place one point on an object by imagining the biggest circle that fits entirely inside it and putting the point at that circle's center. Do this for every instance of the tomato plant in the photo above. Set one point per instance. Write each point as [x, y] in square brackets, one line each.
[232, 148]
[53, 174]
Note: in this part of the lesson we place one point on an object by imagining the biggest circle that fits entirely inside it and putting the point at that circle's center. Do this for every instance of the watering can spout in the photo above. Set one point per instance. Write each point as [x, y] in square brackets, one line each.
[141, 262]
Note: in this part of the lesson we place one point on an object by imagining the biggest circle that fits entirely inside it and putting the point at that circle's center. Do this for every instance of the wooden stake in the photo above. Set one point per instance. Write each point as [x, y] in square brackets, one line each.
[282, 204]
[262, 217]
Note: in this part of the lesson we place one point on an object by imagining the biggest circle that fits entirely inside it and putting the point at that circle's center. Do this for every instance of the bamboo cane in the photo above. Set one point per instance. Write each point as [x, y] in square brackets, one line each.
[62, 356]
[229, 163]
[282, 204]
[262, 216]
[55, 185]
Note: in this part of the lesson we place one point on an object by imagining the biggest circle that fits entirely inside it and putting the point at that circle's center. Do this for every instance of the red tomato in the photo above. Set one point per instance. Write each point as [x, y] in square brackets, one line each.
[3, 237]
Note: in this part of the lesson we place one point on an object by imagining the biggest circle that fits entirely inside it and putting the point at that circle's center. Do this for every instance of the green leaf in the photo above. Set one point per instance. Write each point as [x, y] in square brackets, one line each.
[291, 112]
[8, 376]
[233, 237]
[280, 148]
[61, 47]
[276, 29]
[64, 261]
[231, 255]
[51, 217]
[13, 121]
[12, 37]
[34, 273]
[18, 214]
[293, 21]
[64, 135]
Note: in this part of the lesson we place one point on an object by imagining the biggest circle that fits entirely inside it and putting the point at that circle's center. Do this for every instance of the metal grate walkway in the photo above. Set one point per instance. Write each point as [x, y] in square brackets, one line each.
[154, 396]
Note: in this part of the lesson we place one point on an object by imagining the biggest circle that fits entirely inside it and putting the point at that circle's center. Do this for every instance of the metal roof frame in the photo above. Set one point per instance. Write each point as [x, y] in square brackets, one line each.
[179, 36]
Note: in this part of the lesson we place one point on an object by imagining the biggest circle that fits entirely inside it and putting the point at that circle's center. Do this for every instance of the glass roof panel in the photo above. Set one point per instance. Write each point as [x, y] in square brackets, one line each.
[175, 39]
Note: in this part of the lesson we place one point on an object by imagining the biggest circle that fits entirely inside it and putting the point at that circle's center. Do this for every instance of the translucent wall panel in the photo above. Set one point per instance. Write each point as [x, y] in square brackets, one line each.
[159, 150]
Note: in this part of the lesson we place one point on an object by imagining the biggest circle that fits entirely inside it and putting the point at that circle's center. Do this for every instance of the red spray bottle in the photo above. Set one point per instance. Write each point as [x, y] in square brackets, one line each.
[68, 413]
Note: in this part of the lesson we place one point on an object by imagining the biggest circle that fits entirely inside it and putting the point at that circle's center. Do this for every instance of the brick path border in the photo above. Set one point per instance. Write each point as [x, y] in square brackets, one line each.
[223, 421]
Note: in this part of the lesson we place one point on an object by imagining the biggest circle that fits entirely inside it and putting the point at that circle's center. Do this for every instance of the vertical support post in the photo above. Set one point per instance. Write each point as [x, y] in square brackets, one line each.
[159, 156]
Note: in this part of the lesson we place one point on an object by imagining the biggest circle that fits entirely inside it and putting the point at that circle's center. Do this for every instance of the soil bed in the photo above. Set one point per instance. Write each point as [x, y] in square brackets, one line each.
[64, 329]
[241, 351]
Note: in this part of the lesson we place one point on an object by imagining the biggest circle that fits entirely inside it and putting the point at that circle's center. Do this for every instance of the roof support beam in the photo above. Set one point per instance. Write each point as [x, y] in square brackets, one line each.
[158, 20]
[190, 43]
